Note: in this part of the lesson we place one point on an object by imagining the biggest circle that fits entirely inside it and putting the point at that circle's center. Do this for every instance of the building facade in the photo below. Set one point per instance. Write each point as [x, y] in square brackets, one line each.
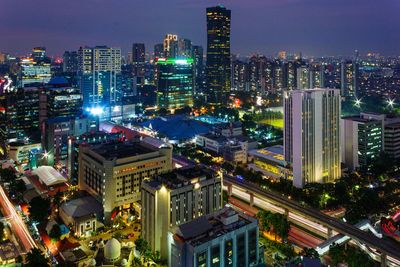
[312, 135]
[218, 68]
[113, 173]
[175, 198]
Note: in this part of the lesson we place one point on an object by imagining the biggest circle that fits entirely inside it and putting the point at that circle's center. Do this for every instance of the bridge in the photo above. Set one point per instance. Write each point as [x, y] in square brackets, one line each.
[389, 250]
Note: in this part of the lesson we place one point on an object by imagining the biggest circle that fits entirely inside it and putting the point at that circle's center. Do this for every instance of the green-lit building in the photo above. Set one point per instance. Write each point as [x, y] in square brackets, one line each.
[174, 83]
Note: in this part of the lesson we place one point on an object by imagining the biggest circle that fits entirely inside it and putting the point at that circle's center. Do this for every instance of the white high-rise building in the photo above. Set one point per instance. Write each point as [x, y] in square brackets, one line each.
[312, 135]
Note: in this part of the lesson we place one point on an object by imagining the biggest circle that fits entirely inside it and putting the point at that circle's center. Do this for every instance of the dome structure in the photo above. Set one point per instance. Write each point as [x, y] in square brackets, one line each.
[112, 250]
[124, 262]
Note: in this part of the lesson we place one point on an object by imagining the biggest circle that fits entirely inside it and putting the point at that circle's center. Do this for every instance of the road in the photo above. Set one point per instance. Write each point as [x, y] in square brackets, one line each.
[313, 216]
[17, 224]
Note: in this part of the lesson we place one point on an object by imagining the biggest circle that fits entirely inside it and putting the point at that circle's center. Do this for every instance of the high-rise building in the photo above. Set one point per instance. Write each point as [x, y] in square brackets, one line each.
[260, 74]
[290, 75]
[158, 50]
[185, 48]
[224, 238]
[113, 173]
[303, 77]
[171, 46]
[218, 69]
[312, 135]
[100, 76]
[197, 55]
[32, 71]
[138, 59]
[70, 61]
[317, 76]
[175, 198]
[278, 76]
[362, 141]
[39, 54]
[240, 76]
[174, 83]
[349, 78]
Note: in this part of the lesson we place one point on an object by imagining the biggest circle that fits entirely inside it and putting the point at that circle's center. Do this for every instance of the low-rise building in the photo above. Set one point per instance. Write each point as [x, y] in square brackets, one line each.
[177, 197]
[82, 215]
[223, 238]
[271, 162]
[113, 172]
[20, 152]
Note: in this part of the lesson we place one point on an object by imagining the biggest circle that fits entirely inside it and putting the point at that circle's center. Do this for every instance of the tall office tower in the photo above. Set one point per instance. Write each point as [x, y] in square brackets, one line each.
[184, 48]
[312, 135]
[349, 78]
[174, 83]
[22, 114]
[175, 198]
[197, 55]
[39, 54]
[303, 77]
[317, 76]
[332, 74]
[171, 45]
[33, 72]
[138, 59]
[70, 61]
[218, 69]
[158, 50]
[240, 76]
[224, 238]
[60, 99]
[113, 172]
[260, 74]
[362, 141]
[290, 75]
[277, 75]
[100, 75]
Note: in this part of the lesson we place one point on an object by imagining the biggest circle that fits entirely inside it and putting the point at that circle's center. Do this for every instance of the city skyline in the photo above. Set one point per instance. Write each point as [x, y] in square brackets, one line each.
[291, 25]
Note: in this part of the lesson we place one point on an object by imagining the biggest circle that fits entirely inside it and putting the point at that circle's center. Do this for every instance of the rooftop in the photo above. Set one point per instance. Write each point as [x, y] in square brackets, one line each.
[180, 177]
[121, 150]
[207, 228]
[273, 153]
[82, 207]
[49, 176]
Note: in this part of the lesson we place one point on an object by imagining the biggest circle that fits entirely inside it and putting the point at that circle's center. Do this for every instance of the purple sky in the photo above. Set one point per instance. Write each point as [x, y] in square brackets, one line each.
[315, 27]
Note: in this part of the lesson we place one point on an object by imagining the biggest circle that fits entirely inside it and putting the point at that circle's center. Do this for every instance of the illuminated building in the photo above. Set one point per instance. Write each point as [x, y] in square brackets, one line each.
[20, 152]
[277, 74]
[158, 50]
[282, 55]
[317, 77]
[171, 45]
[260, 74]
[138, 59]
[240, 76]
[218, 69]
[174, 83]
[33, 72]
[312, 135]
[56, 132]
[197, 55]
[39, 54]
[113, 173]
[92, 137]
[224, 238]
[99, 76]
[303, 77]
[22, 114]
[290, 75]
[175, 198]
[60, 99]
[362, 141]
[70, 62]
[349, 78]
[270, 160]
[185, 48]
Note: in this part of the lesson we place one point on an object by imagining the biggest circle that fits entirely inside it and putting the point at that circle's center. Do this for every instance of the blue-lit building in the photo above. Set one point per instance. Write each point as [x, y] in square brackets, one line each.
[99, 71]
[174, 83]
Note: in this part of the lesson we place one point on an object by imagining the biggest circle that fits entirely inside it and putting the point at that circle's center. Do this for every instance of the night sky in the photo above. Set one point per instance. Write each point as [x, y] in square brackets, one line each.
[315, 27]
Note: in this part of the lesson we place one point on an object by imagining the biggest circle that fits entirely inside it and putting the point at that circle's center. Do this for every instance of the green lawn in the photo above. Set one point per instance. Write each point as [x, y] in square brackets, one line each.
[278, 123]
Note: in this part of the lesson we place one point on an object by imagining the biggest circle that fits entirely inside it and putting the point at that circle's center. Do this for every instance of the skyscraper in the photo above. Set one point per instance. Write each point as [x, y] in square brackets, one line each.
[174, 83]
[138, 59]
[99, 73]
[197, 55]
[171, 45]
[218, 68]
[70, 61]
[158, 50]
[312, 135]
[349, 82]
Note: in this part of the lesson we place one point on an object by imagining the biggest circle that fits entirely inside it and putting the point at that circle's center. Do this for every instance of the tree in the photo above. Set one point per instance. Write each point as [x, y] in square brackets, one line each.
[55, 232]
[39, 209]
[35, 258]
[141, 245]
[7, 175]
[310, 253]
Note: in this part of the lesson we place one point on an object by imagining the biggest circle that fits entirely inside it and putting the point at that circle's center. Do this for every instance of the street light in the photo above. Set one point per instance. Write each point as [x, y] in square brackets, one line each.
[357, 102]
[390, 102]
